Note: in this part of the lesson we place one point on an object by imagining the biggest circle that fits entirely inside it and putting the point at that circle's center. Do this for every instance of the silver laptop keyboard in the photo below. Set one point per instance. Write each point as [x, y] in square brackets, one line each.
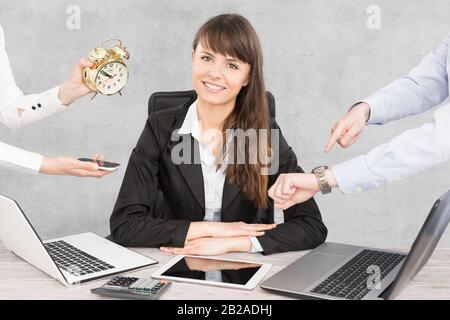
[73, 260]
[351, 280]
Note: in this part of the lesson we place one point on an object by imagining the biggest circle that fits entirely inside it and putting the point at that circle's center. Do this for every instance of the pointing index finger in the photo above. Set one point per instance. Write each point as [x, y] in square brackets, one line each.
[337, 133]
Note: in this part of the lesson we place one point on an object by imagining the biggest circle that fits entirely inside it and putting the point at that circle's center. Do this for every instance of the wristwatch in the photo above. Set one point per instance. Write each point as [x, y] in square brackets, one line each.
[319, 172]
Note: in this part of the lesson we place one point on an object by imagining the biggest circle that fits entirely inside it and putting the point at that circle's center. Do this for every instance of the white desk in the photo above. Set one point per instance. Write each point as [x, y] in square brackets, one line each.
[20, 280]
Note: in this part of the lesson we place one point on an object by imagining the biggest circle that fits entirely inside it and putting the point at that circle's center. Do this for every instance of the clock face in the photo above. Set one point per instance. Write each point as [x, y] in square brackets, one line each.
[111, 78]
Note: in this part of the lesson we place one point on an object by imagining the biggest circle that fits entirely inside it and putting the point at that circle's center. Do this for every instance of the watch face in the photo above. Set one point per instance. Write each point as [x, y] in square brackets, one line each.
[317, 169]
[111, 78]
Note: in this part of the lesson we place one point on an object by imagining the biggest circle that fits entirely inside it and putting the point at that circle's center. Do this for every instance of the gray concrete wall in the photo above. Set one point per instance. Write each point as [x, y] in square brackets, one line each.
[320, 57]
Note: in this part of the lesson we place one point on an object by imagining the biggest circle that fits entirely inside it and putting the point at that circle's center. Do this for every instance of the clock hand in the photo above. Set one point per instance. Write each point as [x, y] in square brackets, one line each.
[105, 74]
[110, 78]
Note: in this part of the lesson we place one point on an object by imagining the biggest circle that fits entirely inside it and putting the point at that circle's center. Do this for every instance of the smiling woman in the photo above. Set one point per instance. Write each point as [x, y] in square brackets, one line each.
[211, 205]
[228, 78]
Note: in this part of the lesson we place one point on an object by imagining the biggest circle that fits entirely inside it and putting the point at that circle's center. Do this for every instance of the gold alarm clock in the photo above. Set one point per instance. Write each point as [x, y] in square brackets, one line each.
[109, 74]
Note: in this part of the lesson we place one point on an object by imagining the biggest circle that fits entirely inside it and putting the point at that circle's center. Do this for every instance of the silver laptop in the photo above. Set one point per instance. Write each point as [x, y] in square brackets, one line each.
[73, 259]
[340, 271]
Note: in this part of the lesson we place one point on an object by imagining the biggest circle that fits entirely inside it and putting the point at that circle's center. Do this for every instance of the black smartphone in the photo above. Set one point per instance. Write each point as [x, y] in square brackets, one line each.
[103, 165]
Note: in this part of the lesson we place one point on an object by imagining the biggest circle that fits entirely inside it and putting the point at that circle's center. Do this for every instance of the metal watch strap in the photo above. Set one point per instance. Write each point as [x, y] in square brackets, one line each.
[319, 172]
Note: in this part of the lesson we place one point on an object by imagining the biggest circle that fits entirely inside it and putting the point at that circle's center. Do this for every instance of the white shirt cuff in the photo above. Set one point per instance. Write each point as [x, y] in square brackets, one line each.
[256, 246]
[353, 176]
[35, 107]
[376, 114]
[51, 100]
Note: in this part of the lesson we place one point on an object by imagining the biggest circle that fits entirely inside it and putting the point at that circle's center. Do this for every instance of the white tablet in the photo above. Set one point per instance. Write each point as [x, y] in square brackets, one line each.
[213, 271]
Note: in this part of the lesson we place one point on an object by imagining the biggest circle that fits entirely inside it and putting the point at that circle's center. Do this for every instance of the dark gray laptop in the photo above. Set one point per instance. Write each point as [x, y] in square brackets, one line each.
[340, 271]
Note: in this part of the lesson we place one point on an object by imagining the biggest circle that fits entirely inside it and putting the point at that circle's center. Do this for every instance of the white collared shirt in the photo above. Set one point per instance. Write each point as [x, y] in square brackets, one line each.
[213, 179]
[34, 106]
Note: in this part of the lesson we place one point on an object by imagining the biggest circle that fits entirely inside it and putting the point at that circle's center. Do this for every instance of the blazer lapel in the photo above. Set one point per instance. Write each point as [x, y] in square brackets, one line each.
[192, 172]
[230, 190]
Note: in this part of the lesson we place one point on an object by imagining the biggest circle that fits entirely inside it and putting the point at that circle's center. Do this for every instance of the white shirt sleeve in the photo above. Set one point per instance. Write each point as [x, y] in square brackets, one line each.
[17, 109]
[19, 159]
[411, 152]
[256, 245]
[424, 87]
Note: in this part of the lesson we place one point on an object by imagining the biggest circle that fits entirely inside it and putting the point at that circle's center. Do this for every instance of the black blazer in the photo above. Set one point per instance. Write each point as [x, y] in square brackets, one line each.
[137, 220]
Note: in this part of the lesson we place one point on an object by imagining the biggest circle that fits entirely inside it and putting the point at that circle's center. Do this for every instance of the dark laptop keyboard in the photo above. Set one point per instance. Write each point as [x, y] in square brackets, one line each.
[350, 281]
[73, 260]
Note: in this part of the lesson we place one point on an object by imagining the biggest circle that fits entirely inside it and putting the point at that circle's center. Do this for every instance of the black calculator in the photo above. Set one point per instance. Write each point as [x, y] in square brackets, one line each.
[132, 288]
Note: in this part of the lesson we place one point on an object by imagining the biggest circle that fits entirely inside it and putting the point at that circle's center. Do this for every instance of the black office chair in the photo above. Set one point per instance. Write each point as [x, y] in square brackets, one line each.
[165, 100]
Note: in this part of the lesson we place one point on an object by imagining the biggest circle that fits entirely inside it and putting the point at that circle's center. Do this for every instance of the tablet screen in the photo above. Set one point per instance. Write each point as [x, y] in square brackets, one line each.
[213, 270]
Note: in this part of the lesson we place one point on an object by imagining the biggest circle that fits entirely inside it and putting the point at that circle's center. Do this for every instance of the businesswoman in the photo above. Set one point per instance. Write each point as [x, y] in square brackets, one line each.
[17, 109]
[211, 205]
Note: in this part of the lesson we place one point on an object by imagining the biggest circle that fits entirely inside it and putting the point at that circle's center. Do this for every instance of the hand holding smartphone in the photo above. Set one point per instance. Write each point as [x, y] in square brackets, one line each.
[103, 165]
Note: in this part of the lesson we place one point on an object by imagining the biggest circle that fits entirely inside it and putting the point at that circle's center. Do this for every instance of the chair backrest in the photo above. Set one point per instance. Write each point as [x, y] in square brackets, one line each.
[164, 100]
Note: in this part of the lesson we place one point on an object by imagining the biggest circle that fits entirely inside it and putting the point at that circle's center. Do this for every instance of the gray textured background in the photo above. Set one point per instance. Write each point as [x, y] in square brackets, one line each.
[319, 59]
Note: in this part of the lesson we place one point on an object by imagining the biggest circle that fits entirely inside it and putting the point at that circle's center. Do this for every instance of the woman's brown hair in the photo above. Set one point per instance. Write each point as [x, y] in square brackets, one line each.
[233, 35]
